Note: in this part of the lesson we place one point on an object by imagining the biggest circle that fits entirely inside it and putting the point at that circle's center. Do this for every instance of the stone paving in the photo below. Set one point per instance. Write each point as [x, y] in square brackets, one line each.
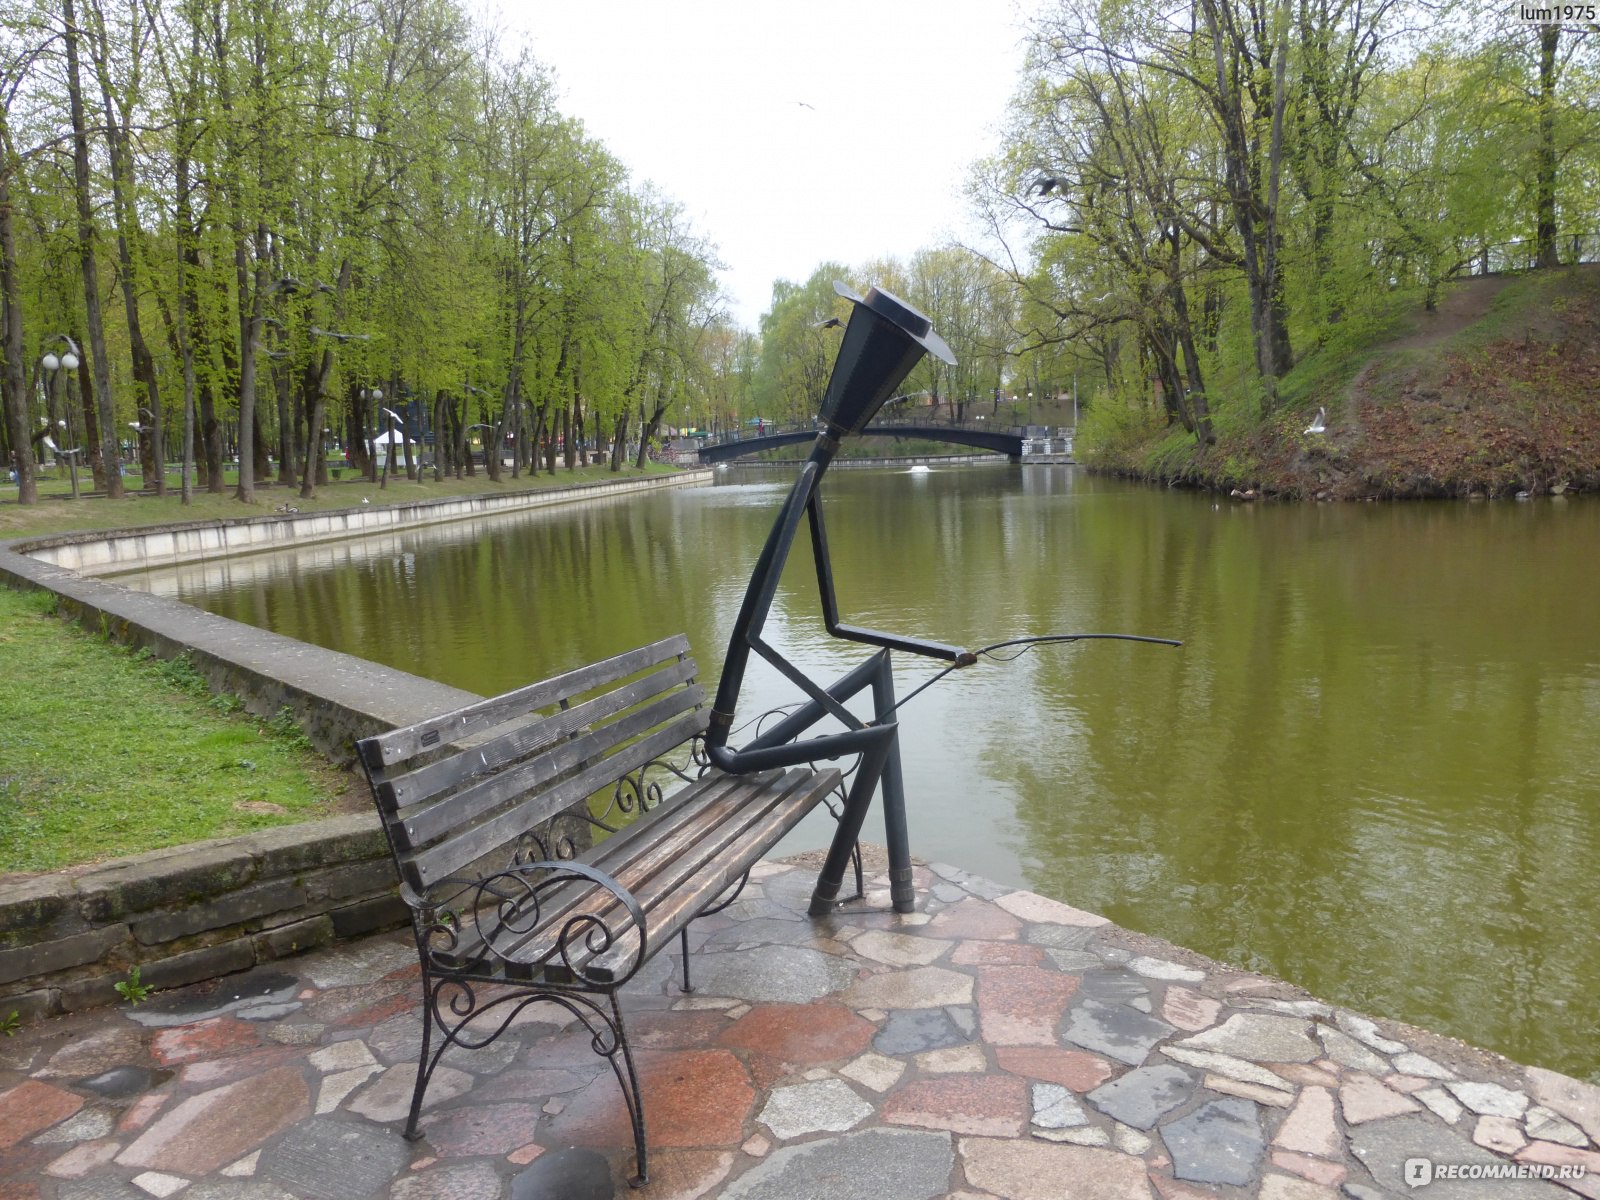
[992, 1044]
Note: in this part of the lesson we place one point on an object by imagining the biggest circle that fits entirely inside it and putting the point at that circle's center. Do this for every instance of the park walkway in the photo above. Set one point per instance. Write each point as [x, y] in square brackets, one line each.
[992, 1044]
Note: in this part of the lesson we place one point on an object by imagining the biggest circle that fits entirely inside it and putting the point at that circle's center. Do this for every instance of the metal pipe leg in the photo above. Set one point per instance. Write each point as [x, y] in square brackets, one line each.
[683, 945]
[895, 833]
[631, 1095]
[850, 822]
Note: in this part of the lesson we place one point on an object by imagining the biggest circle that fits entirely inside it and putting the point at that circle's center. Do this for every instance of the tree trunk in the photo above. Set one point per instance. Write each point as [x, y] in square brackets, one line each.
[15, 395]
[107, 440]
[1545, 182]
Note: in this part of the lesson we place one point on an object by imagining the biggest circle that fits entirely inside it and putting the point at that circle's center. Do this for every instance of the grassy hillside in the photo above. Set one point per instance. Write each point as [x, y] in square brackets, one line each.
[1496, 392]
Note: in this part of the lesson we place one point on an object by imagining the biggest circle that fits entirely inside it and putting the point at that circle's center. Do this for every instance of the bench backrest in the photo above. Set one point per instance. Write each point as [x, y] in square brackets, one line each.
[455, 787]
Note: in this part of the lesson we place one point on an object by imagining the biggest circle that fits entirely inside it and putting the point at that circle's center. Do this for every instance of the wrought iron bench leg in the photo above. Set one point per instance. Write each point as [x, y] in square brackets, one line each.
[683, 945]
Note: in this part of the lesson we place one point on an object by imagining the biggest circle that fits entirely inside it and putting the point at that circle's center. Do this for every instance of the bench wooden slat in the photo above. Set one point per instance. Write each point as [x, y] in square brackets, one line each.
[535, 734]
[398, 745]
[436, 863]
[719, 835]
[474, 803]
[681, 897]
[658, 831]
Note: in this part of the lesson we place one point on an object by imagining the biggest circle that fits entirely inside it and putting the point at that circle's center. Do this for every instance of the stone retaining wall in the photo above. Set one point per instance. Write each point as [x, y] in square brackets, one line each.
[191, 912]
[199, 911]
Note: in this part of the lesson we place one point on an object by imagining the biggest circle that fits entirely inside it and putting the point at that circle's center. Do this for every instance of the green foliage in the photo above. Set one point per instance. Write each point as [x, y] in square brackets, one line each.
[11, 1023]
[130, 989]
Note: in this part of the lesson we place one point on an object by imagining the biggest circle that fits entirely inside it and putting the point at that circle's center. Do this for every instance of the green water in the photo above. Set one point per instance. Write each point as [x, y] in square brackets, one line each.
[1371, 769]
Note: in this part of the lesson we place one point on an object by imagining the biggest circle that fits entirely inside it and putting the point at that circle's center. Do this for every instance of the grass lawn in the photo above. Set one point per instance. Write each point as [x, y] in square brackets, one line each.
[104, 752]
[58, 512]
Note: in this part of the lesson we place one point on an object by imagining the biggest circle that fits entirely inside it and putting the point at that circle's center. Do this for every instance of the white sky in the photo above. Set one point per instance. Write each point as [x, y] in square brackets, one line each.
[703, 97]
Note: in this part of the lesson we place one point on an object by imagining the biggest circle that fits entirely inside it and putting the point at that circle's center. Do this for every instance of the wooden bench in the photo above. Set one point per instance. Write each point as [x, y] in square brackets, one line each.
[506, 913]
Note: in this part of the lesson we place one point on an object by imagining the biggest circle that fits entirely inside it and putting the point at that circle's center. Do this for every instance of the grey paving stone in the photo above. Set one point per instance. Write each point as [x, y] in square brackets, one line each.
[333, 1160]
[464, 1181]
[760, 931]
[1145, 1095]
[100, 1187]
[966, 1019]
[1385, 1147]
[1219, 1142]
[1113, 987]
[236, 1189]
[249, 989]
[1259, 1037]
[569, 1174]
[1055, 1107]
[88, 1124]
[358, 962]
[1060, 937]
[124, 1081]
[875, 1164]
[773, 973]
[825, 1105]
[1074, 961]
[913, 1030]
[1115, 1030]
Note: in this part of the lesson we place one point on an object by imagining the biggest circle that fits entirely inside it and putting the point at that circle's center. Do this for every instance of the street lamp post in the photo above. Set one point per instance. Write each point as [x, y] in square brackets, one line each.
[51, 363]
[369, 395]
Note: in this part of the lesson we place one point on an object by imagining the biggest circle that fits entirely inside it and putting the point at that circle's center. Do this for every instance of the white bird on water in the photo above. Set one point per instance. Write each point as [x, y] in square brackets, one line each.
[1319, 423]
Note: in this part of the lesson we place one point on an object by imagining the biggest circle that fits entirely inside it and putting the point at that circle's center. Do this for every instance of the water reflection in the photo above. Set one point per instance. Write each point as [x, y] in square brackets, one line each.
[1371, 769]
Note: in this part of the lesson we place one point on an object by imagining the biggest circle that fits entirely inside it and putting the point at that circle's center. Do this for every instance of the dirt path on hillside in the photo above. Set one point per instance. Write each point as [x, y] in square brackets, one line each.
[1464, 303]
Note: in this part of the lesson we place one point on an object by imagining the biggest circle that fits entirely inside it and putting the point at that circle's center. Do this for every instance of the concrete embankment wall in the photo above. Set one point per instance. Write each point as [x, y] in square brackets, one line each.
[194, 912]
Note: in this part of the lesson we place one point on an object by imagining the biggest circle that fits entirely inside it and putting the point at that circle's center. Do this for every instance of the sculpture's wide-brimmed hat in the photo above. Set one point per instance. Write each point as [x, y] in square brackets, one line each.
[884, 340]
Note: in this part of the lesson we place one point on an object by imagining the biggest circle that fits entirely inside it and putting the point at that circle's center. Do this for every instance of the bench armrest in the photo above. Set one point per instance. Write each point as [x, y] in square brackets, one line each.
[540, 914]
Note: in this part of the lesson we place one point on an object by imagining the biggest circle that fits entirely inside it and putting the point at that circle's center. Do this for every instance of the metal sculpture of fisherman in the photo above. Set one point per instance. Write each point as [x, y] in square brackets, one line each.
[884, 340]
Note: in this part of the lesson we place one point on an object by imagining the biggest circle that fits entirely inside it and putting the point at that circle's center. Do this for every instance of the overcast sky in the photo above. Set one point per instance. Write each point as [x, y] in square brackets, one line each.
[793, 134]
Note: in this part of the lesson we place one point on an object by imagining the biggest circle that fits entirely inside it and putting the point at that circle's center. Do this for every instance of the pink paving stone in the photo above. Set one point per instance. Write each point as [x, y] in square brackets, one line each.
[1409, 1084]
[483, 1129]
[32, 1106]
[1364, 1099]
[1559, 1156]
[804, 1035]
[212, 1038]
[1314, 1169]
[1310, 1126]
[98, 1051]
[1306, 1074]
[985, 1105]
[669, 1030]
[1171, 1189]
[687, 1174]
[1021, 1006]
[214, 1128]
[239, 1066]
[1283, 1187]
[1577, 1101]
[523, 1155]
[1031, 906]
[997, 954]
[1189, 1010]
[1501, 1134]
[977, 919]
[140, 1112]
[84, 1158]
[1076, 1069]
[18, 1189]
[1042, 1171]
[692, 1098]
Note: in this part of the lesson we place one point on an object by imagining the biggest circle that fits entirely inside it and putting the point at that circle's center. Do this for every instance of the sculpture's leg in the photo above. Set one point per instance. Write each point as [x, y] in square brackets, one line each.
[851, 820]
[894, 794]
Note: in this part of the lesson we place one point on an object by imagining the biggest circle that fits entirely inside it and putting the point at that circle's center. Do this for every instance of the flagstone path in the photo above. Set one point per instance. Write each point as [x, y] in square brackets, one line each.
[992, 1044]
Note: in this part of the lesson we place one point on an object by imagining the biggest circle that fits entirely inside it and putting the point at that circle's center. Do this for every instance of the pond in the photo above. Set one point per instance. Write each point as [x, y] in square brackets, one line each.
[1373, 768]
